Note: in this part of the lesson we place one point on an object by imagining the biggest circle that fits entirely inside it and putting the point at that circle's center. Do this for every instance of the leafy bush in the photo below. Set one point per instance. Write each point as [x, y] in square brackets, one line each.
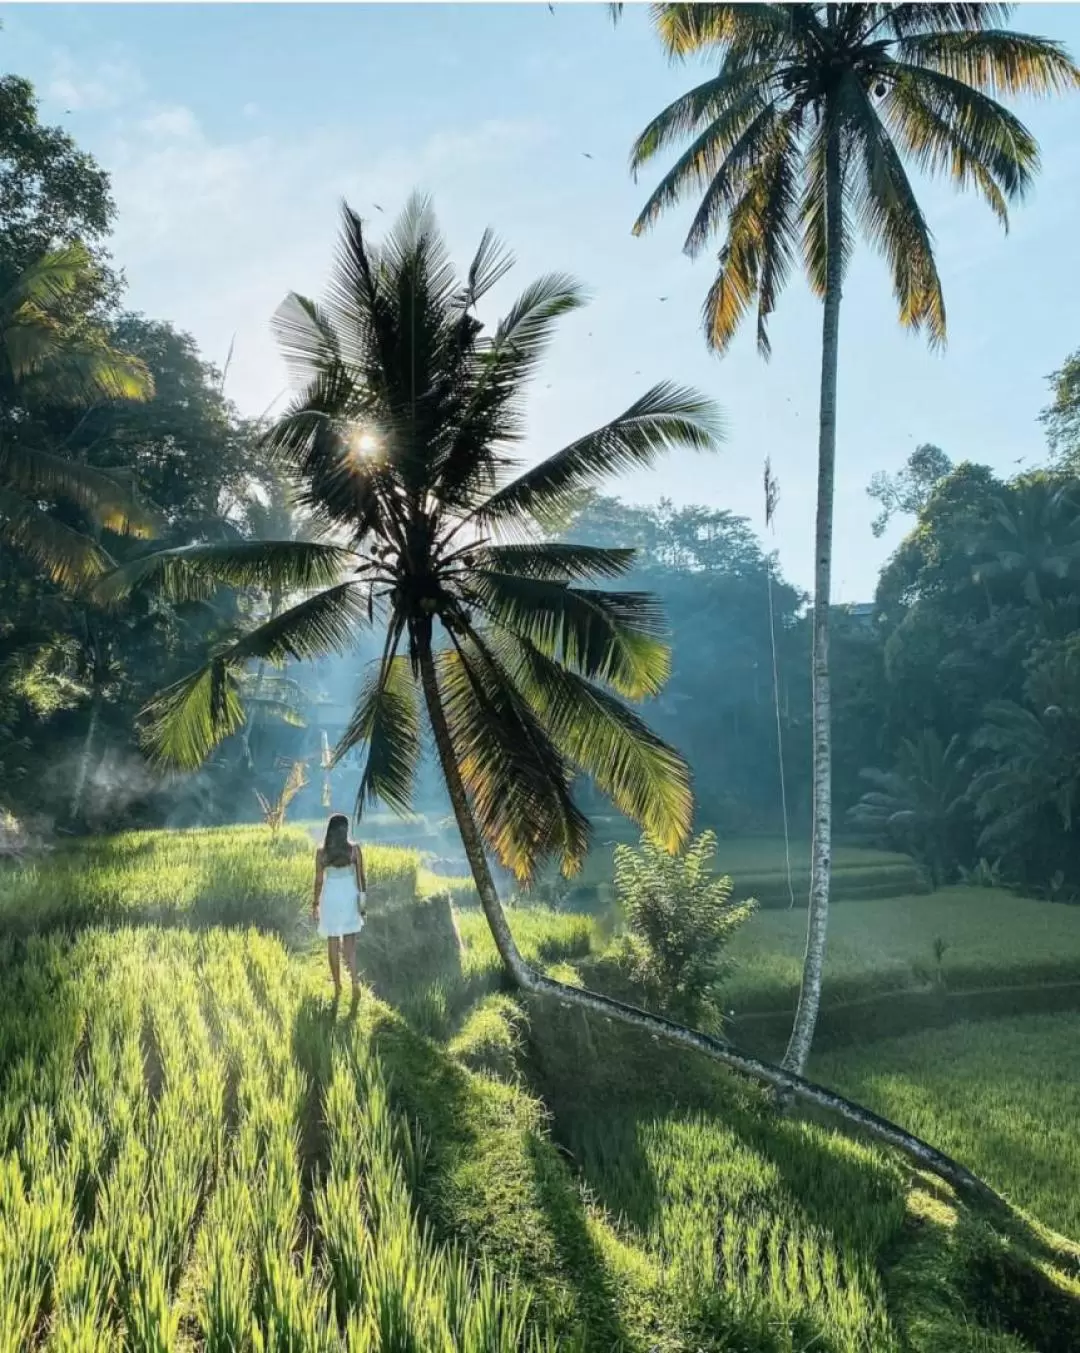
[983, 874]
[921, 805]
[681, 918]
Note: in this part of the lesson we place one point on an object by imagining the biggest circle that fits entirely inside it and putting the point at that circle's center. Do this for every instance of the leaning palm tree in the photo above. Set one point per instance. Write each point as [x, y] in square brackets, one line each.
[46, 360]
[400, 445]
[798, 141]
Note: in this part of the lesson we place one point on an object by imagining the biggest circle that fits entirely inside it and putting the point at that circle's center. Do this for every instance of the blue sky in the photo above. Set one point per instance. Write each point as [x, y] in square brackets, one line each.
[232, 132]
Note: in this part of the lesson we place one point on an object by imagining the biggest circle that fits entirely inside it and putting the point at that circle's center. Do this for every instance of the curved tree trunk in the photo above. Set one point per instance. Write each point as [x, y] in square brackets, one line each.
[802, 1033]
[920, 1153]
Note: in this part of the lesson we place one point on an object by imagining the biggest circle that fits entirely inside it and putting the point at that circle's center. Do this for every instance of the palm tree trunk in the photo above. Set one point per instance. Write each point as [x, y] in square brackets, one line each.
[528, 980]
[802, 1033]
[471, 839]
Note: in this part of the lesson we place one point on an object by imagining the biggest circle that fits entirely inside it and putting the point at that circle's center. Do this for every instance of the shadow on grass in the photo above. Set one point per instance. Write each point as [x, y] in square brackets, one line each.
[616, 1098]
[494, 1180]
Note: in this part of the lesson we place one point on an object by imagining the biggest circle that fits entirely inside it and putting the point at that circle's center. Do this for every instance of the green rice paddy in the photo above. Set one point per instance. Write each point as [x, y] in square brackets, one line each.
[197, 1151]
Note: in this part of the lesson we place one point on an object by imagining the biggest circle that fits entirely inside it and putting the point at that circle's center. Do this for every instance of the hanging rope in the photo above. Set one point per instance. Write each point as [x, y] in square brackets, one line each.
[772, 497]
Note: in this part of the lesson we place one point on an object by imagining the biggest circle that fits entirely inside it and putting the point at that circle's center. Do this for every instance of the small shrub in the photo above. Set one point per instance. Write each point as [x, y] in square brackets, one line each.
[681, 918]
[983, 874]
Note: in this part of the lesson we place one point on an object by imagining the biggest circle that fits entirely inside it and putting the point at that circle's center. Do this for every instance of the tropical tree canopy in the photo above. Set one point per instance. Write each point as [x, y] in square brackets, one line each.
[402, 446]
[49, 358]
[881, 83]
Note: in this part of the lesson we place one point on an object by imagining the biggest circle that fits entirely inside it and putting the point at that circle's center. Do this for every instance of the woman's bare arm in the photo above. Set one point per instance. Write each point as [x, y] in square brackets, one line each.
[361, 876]
[318, 882]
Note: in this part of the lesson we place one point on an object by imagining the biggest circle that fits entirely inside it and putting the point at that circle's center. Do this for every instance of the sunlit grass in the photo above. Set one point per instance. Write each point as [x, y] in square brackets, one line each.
[225, 875]
[195, 1153]
[757, 866]
[156, 1151]
[991, 938]
[1002, 1095]
[543, 936]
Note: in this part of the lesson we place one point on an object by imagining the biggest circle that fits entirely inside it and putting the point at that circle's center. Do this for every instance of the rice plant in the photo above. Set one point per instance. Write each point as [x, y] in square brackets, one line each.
[214, 876]
[197, 1154]
[157, 1183]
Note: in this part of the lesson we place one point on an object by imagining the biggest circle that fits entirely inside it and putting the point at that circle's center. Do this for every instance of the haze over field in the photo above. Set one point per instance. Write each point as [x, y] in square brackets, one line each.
[465, 886]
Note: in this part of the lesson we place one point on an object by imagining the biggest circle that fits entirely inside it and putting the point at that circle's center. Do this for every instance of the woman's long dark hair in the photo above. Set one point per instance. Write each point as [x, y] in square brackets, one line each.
[337, 848]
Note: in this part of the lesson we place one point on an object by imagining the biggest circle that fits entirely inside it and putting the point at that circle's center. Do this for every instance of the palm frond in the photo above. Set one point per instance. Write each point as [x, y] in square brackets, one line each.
[468, 466]
[613, 637]
[517, 780]
[490, 264]
[414, 248]
[665, 417]
[749, 31]
[523, 334]
[187, 721]
[43, 474]
[387, 719]
[761, 241]
[779, 215]
[306, 337]
[721, 160]
[70, 369]
[314, 441]
[893, 220]
[646, 779]
[50, 280]
[904, 20]
[556, 561]
[183, 725]
[194, 572]
[725, 105]
[994, 60]
[360, 306]
[949, 127]
[70, 558]
[326, 622]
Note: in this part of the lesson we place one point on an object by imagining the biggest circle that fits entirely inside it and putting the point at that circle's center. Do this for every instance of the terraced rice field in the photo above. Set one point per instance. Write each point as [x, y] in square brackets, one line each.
[193, 1156]
[1003, 1095]
[987, 937]
[217, 876]
[198, 1153]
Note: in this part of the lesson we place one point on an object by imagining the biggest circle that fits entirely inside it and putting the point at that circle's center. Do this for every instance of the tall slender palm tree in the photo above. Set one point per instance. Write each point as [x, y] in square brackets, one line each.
[400, 445]
[46, 359]
[798, 141]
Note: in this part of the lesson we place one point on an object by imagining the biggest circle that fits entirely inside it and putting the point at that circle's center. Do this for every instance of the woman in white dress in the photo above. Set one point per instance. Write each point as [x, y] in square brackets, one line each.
[340, 902]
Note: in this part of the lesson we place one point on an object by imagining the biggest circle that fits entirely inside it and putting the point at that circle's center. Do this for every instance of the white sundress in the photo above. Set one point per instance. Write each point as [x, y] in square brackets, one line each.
[340, 902]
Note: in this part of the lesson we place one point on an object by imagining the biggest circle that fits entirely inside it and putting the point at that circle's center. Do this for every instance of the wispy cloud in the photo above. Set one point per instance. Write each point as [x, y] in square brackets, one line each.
[213, 231]
[174, 122]
[90, 88]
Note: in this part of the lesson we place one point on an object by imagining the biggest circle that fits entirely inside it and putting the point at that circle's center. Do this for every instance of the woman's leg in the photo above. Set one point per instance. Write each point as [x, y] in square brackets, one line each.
[333, 950]
[349, 943]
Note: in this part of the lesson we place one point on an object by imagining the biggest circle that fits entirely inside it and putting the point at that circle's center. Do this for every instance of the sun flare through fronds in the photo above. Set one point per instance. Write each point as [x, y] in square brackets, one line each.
[401, 447]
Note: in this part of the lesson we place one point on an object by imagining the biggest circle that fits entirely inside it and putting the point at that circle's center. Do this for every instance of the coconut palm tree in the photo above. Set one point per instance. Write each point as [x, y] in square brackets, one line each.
[400, 445]
[796, 143]
[46, 359]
